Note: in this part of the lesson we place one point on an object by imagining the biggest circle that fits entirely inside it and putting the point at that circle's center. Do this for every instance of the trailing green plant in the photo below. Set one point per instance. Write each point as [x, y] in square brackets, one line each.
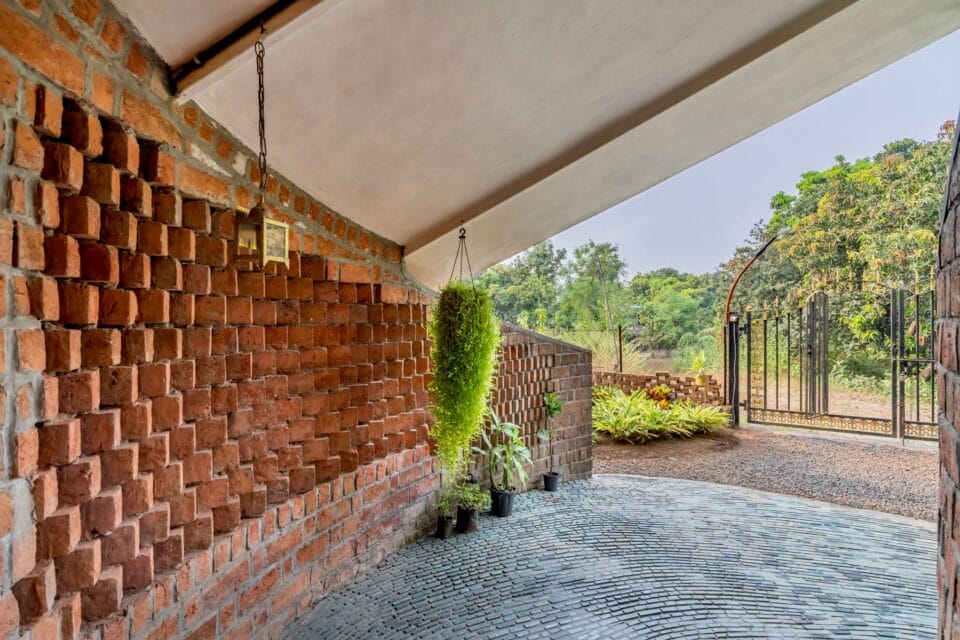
[553, 407]
[636, 418]
[464, 338]
[505, 452]
[471, 496]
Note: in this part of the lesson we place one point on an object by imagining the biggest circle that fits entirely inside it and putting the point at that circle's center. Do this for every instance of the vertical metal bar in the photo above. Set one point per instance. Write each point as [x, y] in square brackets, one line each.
[788, 361]
[776, 359]
[894, 339]
[901, 354]
[620, 346]
[824, 348]
[749, 363]
[765, 406]
[800, 347]
[916, 353]
[733, 371]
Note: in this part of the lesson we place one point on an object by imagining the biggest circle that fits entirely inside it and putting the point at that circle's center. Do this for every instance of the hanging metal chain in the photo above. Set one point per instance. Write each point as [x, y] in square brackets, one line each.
[461, 258]
[258, 47]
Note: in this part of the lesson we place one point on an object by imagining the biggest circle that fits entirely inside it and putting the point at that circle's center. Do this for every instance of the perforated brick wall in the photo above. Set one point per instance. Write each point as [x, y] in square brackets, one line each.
[531, 365]
[190, 448]
[685, 387]
[948, 373]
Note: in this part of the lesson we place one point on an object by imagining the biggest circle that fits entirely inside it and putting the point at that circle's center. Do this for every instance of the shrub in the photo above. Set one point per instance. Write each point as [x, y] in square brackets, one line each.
[636, 418]
[464, 337]
[472, 496]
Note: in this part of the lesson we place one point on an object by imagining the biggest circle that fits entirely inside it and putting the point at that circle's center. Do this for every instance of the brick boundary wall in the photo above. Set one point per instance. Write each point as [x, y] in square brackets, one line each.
[686, 387]
[948, 377]
[531, 365]
[189, 448]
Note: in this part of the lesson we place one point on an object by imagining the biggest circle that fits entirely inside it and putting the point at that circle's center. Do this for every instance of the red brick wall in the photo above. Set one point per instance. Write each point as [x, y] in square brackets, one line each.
[189, 447]
[531, 365]
[686, 387]
[948, 373]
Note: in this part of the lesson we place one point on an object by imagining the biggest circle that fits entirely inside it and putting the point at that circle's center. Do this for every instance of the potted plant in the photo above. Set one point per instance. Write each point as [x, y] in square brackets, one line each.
[470, 498]
[552, 407]
[464, 335]
[506, 455]
[446, 507]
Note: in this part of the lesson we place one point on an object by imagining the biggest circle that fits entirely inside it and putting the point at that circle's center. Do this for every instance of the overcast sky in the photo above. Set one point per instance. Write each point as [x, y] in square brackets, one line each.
[693, 221]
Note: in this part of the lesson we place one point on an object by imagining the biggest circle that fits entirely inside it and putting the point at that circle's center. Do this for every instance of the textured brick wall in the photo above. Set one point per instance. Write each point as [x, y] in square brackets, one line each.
[948, 373]
[189, 447]
[531, 365]
[686, 387]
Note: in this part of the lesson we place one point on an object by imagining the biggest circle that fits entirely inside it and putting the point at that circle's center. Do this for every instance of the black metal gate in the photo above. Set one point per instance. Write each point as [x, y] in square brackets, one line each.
[788, 363]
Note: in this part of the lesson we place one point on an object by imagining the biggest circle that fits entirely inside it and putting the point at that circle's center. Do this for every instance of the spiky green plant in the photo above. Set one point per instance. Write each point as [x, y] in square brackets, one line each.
[464, 336]
[472, 496]
[635, 418]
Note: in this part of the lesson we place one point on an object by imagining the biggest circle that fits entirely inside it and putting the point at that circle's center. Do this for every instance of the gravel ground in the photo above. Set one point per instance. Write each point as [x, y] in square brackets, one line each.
[858, 471]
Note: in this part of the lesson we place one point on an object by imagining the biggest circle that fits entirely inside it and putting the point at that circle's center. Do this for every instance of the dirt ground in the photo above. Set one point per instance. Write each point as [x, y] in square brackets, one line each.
[859, 471]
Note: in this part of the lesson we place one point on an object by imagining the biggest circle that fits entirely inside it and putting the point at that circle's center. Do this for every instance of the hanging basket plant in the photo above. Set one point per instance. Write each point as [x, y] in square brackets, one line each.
[464, 335]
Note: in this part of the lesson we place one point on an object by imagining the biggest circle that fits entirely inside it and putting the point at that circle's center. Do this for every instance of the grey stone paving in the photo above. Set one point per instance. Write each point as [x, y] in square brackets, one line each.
[630, 557]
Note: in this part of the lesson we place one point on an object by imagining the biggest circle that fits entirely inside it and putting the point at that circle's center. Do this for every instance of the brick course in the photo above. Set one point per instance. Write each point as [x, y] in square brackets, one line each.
[948, 379]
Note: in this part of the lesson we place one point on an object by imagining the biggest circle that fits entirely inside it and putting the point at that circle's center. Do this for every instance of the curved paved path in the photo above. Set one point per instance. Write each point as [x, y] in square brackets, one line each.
[631, 557]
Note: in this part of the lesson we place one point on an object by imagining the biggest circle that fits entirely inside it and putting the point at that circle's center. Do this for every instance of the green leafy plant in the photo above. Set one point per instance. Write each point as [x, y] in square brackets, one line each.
[505, 452]
[553, 407]
[447, 501]
[464, 337]
[471, 496]
[636, 418]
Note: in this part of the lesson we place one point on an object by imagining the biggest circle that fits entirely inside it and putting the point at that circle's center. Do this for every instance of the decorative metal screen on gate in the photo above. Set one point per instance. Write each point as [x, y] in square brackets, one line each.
[794, 377]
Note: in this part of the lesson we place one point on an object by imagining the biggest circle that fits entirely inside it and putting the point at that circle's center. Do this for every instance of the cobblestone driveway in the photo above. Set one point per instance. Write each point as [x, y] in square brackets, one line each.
[629, 557]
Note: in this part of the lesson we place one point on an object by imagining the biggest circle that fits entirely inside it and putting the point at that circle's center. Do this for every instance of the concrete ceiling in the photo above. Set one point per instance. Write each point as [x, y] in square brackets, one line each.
[521, 119]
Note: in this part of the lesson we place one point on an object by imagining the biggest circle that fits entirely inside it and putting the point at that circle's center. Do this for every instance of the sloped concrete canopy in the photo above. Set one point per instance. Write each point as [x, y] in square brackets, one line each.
[521, 119]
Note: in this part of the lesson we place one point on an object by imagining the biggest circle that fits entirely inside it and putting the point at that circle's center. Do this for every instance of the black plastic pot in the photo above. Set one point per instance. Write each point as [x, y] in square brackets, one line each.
[551, 480]
[501, 501]
[444, 526]
[466, 520]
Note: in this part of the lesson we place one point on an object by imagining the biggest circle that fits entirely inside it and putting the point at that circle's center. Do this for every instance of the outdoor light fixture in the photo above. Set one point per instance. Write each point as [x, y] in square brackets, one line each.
[733, 316]
[261, 238]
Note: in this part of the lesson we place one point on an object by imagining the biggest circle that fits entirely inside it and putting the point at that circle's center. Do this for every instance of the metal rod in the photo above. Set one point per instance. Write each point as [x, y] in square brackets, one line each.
[749, 362]
[765, 405]
[916, 352]
[933, 375]
[776, 359]
[894, 330]
[788, 361]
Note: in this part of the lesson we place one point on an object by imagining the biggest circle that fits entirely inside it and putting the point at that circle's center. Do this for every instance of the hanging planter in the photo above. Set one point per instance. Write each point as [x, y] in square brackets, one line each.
[464, 336]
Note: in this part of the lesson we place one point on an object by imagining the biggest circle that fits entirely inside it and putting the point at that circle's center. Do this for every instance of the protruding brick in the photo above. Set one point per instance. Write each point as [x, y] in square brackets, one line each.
[119, 386]
[101, 182]
[138, 346]
[27, 150]
[44, 298]
[46, 204]
[59, 443]
[103, 598]
[83, 131]
[80, 569]
[80, 217]
[138, 572]
[122, 544]
[80, 391]
[62, 349]
[79, 303]
[59, 534]
[103, 513]
[121, 149]
[136, 196]
[152, 238]
[118, 307]
[196, 215]
[63, 165]
[119, 229]
[31, 350]
[79, 481]
[49, 117]
[167, 208]
[36, 592]
[99, 431]
[135, 271]
[27, 456]
[62, 256]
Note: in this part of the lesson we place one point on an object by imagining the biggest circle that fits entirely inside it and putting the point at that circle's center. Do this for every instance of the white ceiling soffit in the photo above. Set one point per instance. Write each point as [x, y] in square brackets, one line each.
[524, 118]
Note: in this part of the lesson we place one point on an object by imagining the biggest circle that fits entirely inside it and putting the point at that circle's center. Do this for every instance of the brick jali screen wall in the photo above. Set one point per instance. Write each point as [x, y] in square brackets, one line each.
[531, 365]
[686, 387]
[948, 373]
[189, 447]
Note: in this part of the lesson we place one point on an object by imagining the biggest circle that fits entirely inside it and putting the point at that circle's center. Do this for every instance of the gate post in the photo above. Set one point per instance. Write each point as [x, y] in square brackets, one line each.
[733, 365]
